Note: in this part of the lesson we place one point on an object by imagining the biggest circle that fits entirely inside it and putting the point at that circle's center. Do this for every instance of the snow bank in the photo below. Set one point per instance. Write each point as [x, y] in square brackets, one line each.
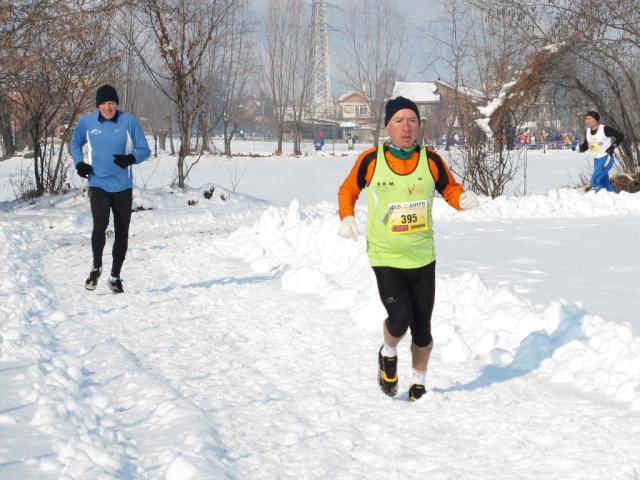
[107, 417]
[562, 203]
[512, 336]
[83, 447]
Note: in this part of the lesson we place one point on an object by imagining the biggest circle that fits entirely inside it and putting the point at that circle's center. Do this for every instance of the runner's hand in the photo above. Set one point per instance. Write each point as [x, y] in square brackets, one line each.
[123, 161]
[469, 200]
[84, 169]
[348, 228]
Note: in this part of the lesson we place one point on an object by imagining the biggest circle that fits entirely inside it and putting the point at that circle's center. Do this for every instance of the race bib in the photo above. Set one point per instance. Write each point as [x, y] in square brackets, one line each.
[594, 147]
[407, 217]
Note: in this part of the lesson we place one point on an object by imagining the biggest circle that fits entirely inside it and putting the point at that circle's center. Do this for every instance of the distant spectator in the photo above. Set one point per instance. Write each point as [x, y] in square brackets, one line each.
[574, 144]
[350, 142]
[318, 143]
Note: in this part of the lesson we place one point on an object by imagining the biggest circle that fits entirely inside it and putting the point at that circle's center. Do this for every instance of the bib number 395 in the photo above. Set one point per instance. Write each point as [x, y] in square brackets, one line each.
[407, 217]
[410, 218]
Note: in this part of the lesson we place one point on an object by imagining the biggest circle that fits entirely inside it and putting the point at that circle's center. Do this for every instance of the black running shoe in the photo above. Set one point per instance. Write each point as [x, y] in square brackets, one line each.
[416, 391]
[387, 374]
[115, 285]
[92, 280]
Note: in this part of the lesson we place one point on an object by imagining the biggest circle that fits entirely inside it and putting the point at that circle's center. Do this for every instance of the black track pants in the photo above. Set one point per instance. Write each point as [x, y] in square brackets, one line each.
[120, 204]
[408, 295]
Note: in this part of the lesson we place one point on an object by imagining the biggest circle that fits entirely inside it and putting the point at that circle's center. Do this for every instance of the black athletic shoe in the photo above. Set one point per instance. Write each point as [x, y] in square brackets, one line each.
[387, 374]
[416, 391]
[92, 280]
[116, 285]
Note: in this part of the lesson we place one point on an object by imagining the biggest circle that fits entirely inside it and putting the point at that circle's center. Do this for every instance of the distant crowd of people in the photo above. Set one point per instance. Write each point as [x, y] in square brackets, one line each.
[559, 139]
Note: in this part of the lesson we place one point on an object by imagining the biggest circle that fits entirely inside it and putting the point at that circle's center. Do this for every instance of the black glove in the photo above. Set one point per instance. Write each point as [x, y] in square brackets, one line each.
[611, 149]
[84, 169]
[124, 161]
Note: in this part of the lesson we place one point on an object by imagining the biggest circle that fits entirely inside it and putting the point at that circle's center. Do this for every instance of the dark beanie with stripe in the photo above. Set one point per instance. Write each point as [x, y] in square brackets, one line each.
[399, 103]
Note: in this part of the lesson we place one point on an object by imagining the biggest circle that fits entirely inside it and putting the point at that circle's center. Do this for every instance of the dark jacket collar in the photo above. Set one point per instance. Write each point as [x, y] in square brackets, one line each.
[101, 119]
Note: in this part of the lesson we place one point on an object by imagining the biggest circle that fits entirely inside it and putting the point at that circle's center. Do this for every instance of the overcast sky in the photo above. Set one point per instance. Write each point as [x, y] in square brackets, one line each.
[419, 16]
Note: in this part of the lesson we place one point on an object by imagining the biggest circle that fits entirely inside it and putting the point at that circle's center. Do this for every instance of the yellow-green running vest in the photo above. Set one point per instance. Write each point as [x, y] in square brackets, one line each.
[399, 218]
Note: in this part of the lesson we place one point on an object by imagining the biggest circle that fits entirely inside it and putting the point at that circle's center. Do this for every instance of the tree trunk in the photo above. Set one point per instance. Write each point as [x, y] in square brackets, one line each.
[196, 146]
[204, 126]
[163, 140]
[182, 155]
[6, 135]
[280, 136]
[227, 144]
[57, 182]
[297, 140]
[173, 148]
[38, 161]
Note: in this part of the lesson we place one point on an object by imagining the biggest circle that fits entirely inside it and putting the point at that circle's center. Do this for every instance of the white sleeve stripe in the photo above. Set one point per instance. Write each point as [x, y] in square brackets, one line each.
[89, 156]
[129, 148]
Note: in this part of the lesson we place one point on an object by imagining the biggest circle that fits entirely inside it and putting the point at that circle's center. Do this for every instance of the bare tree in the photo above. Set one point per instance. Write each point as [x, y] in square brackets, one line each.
[374, 32]
[182, 33]
[302, 44]
[232, 69]
[510, 83]
[6, 133]
[278, 61]
[126, 72]
[153, 109]
[52, 67]
[601, 62]
[450, 46]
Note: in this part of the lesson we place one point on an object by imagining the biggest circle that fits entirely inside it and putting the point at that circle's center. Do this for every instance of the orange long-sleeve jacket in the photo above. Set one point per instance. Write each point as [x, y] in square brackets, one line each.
[361, 173]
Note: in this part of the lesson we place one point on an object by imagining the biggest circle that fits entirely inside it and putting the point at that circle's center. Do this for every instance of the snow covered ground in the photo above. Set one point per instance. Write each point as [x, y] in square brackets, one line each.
[245, 345]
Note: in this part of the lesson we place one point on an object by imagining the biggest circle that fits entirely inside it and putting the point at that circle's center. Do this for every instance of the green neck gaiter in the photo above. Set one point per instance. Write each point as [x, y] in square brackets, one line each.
[401, 153]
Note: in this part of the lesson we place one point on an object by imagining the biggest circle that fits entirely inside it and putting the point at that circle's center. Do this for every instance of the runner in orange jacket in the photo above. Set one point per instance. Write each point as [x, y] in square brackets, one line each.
[360, 176]
[401, 178]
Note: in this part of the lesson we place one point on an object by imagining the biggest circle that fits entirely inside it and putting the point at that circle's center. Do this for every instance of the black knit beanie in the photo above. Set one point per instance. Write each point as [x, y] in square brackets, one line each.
[396, 104]
[594, 115]
[106, 93]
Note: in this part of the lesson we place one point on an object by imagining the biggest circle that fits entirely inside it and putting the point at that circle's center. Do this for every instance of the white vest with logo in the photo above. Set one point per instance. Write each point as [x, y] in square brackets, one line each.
[598, 143]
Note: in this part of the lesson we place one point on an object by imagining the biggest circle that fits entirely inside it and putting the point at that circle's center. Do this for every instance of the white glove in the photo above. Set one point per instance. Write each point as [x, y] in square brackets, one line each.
[348, 228]
[469, 200]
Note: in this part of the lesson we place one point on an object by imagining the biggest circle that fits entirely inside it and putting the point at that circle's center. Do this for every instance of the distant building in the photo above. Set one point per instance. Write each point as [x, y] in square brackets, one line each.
[432, 112]
[461, 119]
[355, 117]
[422, 93]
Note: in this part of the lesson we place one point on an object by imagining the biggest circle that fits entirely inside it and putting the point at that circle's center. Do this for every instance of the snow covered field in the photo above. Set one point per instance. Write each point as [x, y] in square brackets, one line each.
[245, 345]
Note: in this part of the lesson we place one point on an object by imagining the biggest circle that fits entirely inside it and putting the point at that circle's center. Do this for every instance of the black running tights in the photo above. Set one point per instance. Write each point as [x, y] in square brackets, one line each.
[408, 295]
[102, 202]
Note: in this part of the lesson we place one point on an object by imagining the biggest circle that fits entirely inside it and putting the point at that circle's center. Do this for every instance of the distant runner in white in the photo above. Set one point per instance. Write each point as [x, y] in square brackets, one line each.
[601, 141]
[401, 178]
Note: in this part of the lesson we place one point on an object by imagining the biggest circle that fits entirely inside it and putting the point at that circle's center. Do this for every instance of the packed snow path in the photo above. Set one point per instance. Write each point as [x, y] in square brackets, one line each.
[206, 369]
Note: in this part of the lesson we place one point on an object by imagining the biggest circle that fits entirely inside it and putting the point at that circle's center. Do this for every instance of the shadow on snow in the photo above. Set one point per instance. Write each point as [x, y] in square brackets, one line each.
[531, 352]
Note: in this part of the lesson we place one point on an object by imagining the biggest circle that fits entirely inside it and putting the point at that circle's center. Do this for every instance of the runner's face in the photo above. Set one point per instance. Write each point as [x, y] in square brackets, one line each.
[590, 122]
[403, 128]
[108, 109]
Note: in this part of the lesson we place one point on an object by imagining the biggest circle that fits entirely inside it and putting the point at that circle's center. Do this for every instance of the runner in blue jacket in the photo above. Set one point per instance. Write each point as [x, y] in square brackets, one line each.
[114, 141]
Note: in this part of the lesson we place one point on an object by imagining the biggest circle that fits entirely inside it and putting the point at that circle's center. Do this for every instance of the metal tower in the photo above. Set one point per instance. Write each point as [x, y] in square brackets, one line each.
[321, 102]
